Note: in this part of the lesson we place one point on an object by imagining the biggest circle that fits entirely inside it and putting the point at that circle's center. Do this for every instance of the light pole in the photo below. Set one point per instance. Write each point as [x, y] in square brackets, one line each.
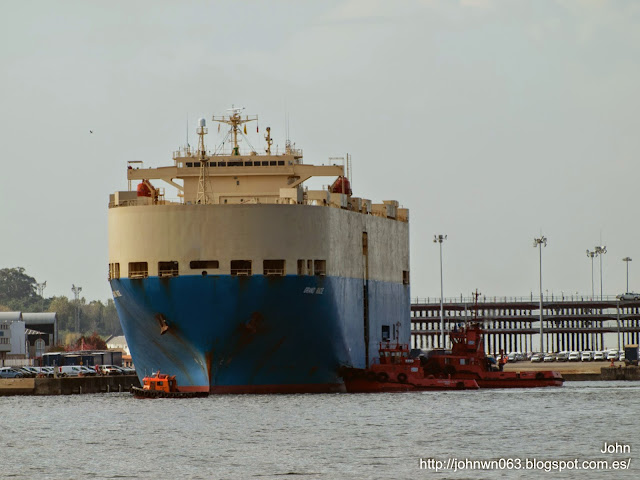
[591, 255]
[627, 260]
[76, 292]
[601, 250]
[41, 287]
[539, 242]
[439, 239]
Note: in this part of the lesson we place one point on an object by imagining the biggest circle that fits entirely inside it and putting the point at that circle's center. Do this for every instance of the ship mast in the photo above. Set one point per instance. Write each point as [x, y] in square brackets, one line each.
[204, 187]
[235, 120]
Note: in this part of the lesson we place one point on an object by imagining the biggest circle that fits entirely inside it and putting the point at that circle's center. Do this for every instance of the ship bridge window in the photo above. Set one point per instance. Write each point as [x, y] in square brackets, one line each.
[240, 268]
[265, 164]
[248, 164]
[320, 267]
[114, 271]
[235, 164]
[405, 277]
[274, 267]
[196, 164]
[138, 270]
[168, 269]
[272, 162]
[213, 164]
[189, 164]
[222, 164]
[280, 162]
[200, 264]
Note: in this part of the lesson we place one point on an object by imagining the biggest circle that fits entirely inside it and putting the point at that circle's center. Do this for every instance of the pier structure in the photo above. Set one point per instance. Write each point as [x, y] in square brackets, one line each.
[512, 324]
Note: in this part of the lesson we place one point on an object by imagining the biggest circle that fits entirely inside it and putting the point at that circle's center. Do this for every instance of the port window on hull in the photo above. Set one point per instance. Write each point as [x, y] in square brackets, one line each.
[114, 271]
[240, 268]
[274, 268]
[405, 277]
[168, 269]
[206, 264]
[320, 267]
[309, 267]
[138, 270]
[301, 267]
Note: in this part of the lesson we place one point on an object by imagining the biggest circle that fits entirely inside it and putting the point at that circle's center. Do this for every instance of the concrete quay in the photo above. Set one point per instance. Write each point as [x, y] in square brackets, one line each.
[580, 371]
[67, 385]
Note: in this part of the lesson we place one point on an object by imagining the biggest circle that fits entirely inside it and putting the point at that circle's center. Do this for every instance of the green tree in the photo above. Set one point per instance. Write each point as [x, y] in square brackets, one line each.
[18, 290]
[66, 313]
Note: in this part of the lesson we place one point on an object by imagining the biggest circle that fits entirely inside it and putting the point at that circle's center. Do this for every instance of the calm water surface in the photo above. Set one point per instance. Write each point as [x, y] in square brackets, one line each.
[319, 436]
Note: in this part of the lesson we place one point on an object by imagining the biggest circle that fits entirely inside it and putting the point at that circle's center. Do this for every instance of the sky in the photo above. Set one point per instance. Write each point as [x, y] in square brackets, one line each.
[494, 122]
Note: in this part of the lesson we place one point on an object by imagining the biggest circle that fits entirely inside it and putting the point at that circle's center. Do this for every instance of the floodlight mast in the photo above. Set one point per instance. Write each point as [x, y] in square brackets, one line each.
[625, 260]
[539, 242]
[601, 250]
[591, 255]
[439, 239]
[76, 292]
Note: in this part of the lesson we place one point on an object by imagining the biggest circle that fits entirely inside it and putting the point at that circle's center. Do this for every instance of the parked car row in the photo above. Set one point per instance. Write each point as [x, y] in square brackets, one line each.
[64, 371]
[575, 356]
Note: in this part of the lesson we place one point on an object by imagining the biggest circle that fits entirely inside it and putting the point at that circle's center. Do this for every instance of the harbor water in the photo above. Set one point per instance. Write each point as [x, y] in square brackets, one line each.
[337, 436]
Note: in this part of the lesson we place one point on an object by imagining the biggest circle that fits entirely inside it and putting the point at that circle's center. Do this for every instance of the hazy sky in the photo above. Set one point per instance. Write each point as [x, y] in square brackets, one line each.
[492, 121]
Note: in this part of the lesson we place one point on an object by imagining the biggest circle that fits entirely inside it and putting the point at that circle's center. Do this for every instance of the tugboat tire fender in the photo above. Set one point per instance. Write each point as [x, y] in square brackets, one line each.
[402, 377]
[371, 376]
[539, 376]
[460, 385]
[382, 377]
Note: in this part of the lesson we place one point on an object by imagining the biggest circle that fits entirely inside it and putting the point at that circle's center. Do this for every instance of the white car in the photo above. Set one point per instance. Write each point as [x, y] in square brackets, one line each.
[585, 357]
[574, 357]
[537, 357]
[598, 357]
[612, 355]
[549, 357]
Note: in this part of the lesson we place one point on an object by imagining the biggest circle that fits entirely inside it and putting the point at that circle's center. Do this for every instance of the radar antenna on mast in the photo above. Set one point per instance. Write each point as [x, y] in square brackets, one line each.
[235, 120]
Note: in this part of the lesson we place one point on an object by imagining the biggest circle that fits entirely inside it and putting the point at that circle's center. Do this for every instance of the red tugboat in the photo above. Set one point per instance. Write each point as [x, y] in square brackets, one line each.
[161, 385]
[467, 360]
[398, 372]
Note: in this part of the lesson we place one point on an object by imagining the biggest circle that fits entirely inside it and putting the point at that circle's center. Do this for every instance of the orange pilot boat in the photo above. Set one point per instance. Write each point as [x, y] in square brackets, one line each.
[161, 385]
[467, 360]
[397, 371]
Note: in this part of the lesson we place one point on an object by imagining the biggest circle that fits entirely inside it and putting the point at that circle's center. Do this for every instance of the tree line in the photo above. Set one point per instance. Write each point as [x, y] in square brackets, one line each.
[18, 292]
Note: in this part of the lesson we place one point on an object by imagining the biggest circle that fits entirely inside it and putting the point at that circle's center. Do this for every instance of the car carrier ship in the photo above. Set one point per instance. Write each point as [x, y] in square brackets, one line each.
[249, 282]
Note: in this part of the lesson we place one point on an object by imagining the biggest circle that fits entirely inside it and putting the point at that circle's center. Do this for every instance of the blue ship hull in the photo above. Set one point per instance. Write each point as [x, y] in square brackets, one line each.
[257, 334]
